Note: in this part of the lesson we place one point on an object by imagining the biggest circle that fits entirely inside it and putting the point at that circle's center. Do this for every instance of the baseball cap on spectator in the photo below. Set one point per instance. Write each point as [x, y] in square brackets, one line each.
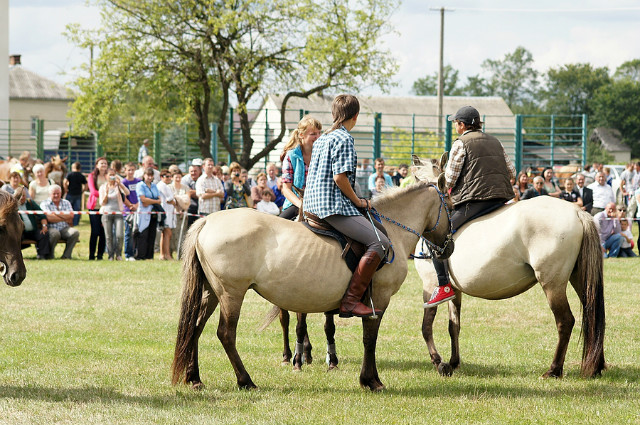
[197, 161]
[467, 114]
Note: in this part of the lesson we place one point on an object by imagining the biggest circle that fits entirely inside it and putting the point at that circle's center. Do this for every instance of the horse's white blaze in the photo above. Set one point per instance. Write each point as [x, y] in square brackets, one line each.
[496, 255]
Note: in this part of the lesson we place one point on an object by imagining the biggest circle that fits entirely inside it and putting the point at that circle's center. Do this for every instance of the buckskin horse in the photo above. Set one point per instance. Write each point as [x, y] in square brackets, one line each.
[12, 268]
[542, 240]
[219, 269]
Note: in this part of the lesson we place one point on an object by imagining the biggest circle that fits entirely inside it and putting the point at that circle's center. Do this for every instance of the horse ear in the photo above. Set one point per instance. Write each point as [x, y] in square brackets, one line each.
[415, 159]
[443, 160]
[442, 183]
[18, 193]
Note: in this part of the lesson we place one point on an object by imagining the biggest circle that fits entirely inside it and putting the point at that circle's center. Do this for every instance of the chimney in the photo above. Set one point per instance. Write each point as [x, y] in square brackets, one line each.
[14, 60]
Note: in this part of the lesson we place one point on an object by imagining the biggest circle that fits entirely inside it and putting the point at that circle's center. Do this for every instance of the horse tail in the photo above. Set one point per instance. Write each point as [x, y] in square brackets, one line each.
[193, 279]
[270, 317]
[590, 281]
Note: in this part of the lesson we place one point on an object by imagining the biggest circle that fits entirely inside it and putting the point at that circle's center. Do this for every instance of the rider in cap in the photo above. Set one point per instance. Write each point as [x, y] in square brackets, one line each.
[478, 173]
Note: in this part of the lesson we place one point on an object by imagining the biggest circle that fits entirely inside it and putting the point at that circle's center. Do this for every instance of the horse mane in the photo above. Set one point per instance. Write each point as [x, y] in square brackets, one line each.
[393, 194]
[8, 205]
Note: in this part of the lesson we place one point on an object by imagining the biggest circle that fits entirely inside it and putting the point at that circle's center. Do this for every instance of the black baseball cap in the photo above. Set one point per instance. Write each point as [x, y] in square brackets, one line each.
[466, 114]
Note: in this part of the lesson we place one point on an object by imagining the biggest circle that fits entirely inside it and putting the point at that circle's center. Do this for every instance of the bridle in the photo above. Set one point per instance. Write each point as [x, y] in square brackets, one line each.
[439, 250]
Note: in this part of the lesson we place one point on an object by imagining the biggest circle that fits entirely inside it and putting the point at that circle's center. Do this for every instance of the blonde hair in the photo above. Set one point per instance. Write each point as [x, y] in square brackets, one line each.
[344, 107]
[234, 166]
[305, 123]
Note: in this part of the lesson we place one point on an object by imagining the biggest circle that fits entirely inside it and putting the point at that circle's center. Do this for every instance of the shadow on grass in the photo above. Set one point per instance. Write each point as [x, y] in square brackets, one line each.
[91, 394]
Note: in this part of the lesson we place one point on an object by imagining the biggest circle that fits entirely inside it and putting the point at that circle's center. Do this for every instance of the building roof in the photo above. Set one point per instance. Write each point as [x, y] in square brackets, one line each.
[398, 112]
[25, 84]
[610, 138]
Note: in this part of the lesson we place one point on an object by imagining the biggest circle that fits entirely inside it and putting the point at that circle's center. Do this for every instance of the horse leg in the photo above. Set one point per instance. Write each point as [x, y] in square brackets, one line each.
[330, 333]
[369, 373]
[284, 322]
[227, 327]
[557, 299]
[427, 334]
[303, 346]
[208, 305]
[454, 333]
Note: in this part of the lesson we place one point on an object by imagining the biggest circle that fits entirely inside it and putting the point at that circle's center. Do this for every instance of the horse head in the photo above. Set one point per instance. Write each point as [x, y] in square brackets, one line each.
[429, 171]
[12, 267]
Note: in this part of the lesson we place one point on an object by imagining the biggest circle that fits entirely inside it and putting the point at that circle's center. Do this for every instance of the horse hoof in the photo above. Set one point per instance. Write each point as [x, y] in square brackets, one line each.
[197, 386]
[551, 374]
[445, 369]
[248, 386]
[285, 363]
[377, 387]
[332, 367]
[308, 359]
[297, 368]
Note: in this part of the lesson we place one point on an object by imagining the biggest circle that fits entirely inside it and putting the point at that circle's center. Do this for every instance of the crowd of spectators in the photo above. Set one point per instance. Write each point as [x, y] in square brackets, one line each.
[614, 217]
[136, 209]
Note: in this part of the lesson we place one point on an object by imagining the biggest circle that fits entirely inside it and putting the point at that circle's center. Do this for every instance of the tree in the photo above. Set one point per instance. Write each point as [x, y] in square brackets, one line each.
[512, 78]
[628, 70]
[571, 88]
[617, 105]
[197, 49]
[428, 86]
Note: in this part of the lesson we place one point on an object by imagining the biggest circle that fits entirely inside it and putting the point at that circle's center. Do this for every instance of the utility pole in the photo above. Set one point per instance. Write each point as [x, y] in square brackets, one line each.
[441, 68]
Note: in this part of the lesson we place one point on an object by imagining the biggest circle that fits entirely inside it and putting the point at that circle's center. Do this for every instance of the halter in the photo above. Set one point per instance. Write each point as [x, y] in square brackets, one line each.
[430, 245]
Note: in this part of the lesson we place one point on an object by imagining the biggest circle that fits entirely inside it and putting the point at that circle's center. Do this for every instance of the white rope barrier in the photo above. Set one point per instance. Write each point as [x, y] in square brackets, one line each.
[38, 212]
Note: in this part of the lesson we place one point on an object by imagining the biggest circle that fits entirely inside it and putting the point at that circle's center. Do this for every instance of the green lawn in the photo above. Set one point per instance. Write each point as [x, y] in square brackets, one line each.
[92, 342]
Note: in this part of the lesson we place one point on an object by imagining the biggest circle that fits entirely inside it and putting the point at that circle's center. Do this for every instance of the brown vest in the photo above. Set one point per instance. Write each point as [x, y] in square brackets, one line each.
[484, 173]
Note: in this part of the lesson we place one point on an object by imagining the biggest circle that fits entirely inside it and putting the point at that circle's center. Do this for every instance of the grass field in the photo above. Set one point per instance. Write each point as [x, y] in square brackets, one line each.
[92, 342]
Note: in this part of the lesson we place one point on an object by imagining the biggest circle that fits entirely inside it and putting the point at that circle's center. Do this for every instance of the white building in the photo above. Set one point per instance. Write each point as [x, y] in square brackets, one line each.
[399, 115]
[4, 73]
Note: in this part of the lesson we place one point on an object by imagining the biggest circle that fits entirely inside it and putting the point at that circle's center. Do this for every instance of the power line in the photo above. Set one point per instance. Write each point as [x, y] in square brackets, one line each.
[591, 10]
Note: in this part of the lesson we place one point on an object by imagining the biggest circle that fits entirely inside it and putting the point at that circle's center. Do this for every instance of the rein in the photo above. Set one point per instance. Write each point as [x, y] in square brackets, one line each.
[430, 245]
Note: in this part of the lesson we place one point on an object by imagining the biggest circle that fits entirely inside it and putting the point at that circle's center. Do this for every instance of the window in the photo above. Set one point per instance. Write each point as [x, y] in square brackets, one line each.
[34, 127]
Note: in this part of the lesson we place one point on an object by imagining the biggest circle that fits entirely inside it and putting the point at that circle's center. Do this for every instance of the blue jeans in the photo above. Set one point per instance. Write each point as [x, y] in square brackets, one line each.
[76, 204]
[129, 248]
[613, 245]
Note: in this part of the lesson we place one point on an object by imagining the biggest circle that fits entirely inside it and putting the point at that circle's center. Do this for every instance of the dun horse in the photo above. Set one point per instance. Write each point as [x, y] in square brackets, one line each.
[543, 240]
[218, 269]
[12, 267]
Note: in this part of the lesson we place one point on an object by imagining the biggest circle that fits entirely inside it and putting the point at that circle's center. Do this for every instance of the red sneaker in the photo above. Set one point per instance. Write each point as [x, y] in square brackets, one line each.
[440, 294]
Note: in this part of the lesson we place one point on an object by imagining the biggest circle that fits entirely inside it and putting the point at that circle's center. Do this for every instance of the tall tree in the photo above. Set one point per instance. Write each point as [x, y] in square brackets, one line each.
[237, 48]
[571, 88]
[428, 86]
[617, 105]
[628, 70]
[512, 78]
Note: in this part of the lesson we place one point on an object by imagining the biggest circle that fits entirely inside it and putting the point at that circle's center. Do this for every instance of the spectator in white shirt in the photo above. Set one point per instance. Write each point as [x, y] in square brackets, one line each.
[602, 193]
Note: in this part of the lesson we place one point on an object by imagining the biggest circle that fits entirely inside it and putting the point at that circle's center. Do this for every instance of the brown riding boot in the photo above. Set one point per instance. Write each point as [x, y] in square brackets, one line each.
[351, 305]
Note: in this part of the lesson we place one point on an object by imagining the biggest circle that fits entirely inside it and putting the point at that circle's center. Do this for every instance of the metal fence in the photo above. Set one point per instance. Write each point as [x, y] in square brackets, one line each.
[530, 140]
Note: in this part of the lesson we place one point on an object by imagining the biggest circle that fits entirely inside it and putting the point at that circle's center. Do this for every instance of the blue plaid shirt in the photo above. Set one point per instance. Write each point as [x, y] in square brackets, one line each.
[332, 154]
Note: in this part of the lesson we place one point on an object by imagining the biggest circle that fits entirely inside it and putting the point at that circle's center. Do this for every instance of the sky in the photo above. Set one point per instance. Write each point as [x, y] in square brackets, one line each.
[558, 32]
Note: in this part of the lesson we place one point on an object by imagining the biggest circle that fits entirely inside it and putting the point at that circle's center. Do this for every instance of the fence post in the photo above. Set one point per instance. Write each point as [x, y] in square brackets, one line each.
[156, 145]
[447, 135]
[413, 134]
[266, 134]
[186, 145]
[9, 137]
[584, 140]
[99, 150]
[377, 127]
[129, 142]
[214, 141]
[40, 138]
[230, 134]
[553, 136]
[301, 113]
[518, 140]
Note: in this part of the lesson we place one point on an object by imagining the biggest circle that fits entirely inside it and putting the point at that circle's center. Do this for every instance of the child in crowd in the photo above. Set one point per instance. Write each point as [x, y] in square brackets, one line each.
[130, 207]
[380, 184]
[626, 247]
[267, 205]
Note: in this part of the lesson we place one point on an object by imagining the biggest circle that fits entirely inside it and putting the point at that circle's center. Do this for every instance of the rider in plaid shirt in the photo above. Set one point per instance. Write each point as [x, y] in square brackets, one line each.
[330, 196]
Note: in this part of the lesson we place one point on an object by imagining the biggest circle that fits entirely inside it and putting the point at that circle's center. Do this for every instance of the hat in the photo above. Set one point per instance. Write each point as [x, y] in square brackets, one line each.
[197, 161]
[225, 169]
[466, 114]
